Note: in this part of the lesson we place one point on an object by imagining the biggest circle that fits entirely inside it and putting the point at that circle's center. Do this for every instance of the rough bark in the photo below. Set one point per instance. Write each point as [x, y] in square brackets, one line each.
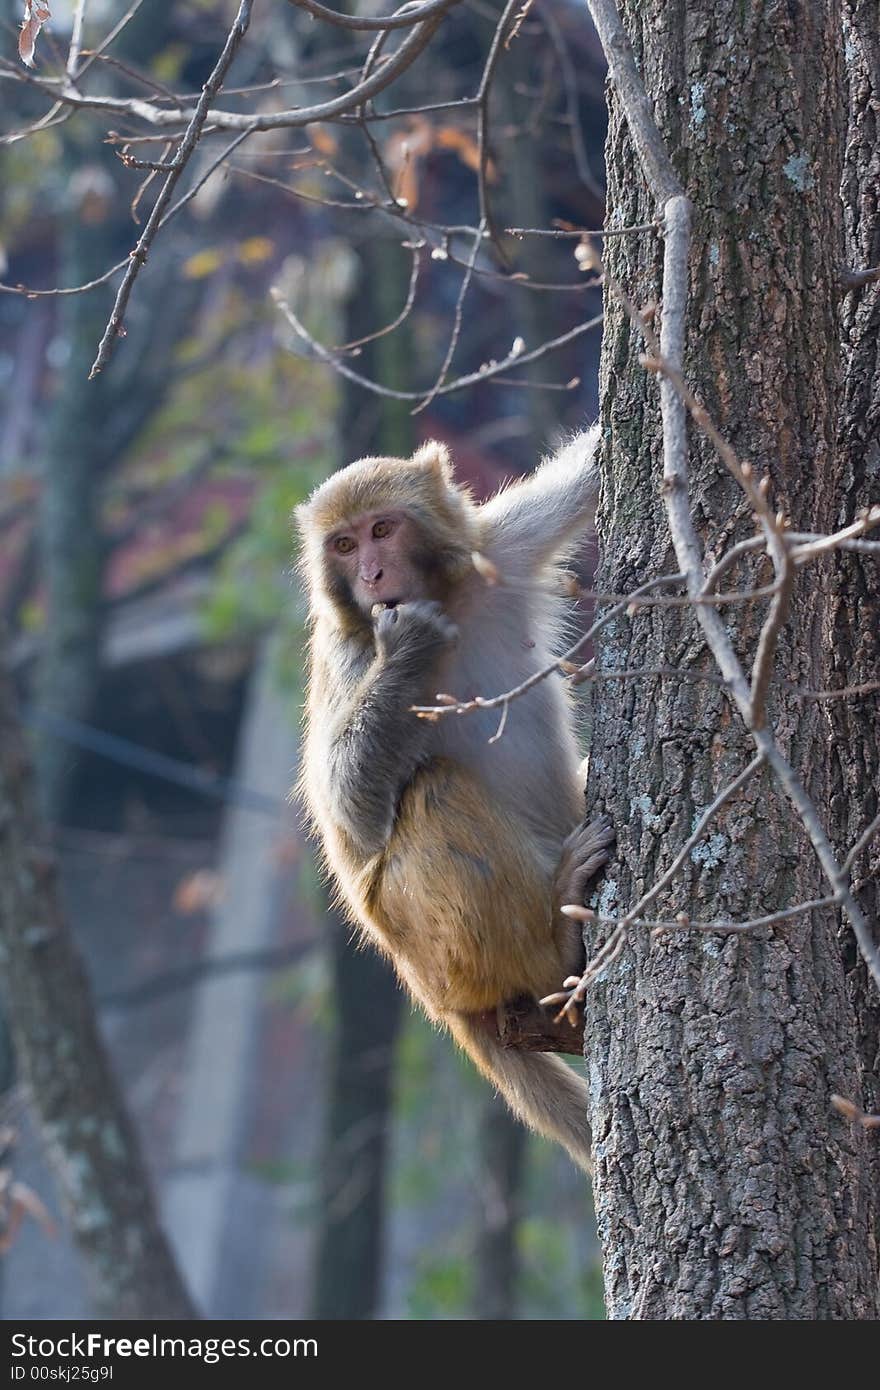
[726, 1187]
[63, 1063]
[852, 620]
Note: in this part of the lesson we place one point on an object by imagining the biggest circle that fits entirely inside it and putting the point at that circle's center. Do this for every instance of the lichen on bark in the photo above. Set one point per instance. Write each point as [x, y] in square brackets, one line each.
[726, 1186]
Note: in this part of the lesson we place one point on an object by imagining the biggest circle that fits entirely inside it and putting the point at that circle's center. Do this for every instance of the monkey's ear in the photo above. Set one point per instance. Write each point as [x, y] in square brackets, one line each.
[434, 455]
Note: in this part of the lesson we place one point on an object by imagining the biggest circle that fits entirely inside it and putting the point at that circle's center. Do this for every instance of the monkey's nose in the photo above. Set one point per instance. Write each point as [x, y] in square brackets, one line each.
[373, 578]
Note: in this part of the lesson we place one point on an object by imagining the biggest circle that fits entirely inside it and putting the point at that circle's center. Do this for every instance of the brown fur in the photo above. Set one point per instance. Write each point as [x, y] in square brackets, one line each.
[451, 855]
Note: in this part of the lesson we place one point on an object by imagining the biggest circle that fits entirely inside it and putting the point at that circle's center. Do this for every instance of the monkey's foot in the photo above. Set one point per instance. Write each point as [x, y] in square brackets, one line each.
[569, 1000]
[583, 854]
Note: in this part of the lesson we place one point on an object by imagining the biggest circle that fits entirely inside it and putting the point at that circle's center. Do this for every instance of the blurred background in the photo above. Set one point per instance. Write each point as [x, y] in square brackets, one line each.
[316, 1149]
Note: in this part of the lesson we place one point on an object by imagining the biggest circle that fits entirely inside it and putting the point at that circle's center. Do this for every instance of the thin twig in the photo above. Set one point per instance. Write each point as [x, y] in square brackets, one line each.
[358, 343]
[683, 922]
[75, 39]
[456, 320]
[487, 221]
[496, 701]
[578, 233]
[661, 176]
[403, 18]
[864, 839]
[486, 373]
[675, 398]
[185, 150]
[292, 118]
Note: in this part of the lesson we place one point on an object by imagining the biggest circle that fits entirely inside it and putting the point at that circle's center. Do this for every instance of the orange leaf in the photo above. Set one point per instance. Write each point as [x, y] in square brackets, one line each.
[402, 152]
[466, 147]
[36, 12]
[323, 141]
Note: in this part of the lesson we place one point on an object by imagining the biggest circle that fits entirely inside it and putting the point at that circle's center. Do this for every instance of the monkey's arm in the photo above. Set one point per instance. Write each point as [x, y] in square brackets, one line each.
[374, 742]
[529, 524]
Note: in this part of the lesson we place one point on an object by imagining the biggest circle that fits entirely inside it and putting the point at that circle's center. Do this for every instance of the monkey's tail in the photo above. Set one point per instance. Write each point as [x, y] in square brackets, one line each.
[539, 1088]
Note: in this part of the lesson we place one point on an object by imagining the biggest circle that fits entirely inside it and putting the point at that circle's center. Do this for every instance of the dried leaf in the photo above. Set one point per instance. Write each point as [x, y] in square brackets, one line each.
[323, 141]
[401, 154]
[36, 12]
[465, 146]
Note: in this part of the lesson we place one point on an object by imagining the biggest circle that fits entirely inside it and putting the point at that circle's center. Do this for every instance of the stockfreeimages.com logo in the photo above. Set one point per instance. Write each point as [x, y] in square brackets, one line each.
[95, 1346]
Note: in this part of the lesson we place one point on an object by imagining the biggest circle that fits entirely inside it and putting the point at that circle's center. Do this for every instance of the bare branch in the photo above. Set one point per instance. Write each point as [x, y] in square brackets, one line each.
[111, 37]
[497, 701]
[75, 39]
[674, 396]
[822, 544]
[486, 373]
[762, 667]
[569, 82]
[864, 839]
[357, 343]
[684, 923]
[578, 233]
[856, 279]
[403, 18]
[138, 256]
[457, 319]
[845, 692]
[487, 223]
[661, 176]
[293, 118]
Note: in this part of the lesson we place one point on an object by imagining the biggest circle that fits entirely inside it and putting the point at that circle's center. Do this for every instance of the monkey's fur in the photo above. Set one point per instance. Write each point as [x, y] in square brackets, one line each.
[452, 854]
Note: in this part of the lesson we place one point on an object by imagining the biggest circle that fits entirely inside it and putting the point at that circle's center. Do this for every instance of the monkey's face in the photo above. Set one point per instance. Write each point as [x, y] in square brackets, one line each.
[380, 556]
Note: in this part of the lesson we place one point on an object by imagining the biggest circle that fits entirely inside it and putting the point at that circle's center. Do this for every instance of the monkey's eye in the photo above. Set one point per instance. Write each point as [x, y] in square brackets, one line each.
[381, 529]
[343, 545]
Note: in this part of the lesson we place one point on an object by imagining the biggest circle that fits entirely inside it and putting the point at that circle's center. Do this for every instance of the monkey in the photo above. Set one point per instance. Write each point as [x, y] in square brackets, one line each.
[453, 854]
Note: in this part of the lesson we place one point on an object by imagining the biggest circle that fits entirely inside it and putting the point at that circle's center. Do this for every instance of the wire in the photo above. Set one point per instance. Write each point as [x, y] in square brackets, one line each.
[128, 754]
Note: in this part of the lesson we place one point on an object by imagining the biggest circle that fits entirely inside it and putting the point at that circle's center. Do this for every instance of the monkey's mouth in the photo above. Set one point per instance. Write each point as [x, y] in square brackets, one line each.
[390, 602]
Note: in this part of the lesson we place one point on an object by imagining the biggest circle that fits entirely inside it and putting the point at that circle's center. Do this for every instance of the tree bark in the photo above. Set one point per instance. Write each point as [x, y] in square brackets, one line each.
[48, 1006]
[726, 1186]
[851, 630]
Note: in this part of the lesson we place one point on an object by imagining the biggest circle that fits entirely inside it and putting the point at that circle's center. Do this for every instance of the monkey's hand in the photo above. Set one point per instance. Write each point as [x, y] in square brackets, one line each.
[583, 854]
[413, 634]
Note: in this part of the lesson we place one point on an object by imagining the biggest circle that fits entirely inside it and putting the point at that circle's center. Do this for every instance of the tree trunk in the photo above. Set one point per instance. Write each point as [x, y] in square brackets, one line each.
[726, 1186]
[49, 1009]
[852, 622]
[72, 542]
[354, 1160]
[503, 1148]
[367, 999]
[92, 422]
